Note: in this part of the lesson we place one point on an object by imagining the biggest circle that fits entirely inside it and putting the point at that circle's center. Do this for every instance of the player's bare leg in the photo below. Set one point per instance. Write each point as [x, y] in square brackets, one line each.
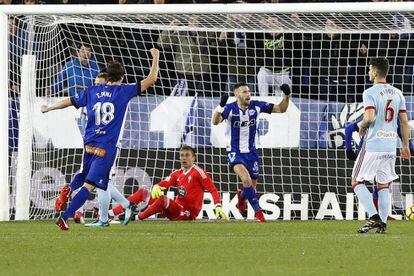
[249, 191]
[365, 197]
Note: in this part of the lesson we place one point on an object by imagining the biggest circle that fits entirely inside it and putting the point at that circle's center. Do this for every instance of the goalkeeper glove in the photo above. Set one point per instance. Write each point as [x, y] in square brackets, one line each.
[350, 154]
[285, 89]
[219, 212]
[157, 191]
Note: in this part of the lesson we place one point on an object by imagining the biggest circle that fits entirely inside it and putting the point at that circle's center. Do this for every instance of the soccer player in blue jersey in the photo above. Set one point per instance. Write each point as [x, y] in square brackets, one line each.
[384, 105]
[241, 118]
[104, 197]
[106, 106]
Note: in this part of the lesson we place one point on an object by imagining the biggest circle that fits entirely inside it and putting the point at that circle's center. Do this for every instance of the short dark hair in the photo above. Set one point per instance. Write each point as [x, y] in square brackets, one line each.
[103, 75]
[84, 44]
[381, 65]
[240, 84]
[115, 70]
[186, 147]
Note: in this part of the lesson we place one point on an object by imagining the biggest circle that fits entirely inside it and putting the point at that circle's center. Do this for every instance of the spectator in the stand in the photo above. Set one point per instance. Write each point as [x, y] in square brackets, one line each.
[330, 62]
[191, 50]
[301, 56]
[6, 2]
[77, 74]
[238, 49]
[400, 21]
[358, 61]
[274, 57]
[17, 48]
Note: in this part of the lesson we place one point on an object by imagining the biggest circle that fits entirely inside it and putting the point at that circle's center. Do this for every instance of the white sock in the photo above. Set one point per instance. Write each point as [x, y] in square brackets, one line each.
[104, 199]
[384, 204]
[365, 197]
[117, 196]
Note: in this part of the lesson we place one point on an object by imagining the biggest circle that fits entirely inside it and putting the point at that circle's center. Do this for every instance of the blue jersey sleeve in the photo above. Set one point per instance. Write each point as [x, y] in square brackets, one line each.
[132, 90]
[351, 128]
[265, 107]
[80, 99]
[226, 111]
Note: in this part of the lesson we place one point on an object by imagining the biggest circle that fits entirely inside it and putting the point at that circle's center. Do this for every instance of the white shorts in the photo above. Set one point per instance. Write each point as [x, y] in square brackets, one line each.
[375, 165]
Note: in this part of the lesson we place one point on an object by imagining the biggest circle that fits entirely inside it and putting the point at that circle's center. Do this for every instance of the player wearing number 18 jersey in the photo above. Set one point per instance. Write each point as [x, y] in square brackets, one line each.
[384, 104]
[106, 105]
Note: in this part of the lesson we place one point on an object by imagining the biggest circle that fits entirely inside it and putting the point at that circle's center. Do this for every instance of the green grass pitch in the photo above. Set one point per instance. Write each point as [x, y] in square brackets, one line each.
[206, 248]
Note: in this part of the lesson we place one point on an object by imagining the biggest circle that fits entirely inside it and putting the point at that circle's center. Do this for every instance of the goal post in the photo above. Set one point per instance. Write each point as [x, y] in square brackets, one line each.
[320, 50]
[4, 121]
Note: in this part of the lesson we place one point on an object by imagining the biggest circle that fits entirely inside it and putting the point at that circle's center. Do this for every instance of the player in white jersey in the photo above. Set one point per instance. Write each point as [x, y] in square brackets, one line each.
[242, 117]
[383, 104]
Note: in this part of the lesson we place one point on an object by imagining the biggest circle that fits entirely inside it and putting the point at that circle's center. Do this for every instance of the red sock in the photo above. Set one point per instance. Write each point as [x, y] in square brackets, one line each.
[136, 198]
[156, 207]
[118, 210]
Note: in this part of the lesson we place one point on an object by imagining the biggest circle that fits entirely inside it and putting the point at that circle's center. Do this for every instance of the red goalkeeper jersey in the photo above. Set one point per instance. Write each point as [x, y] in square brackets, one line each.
[191, 186]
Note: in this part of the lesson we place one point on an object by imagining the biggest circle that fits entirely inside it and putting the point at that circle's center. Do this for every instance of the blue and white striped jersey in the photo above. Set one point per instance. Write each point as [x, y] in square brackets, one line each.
[241, 129]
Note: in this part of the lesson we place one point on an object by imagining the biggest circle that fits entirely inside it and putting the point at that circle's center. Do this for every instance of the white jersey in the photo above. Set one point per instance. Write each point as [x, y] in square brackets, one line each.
[388, 102]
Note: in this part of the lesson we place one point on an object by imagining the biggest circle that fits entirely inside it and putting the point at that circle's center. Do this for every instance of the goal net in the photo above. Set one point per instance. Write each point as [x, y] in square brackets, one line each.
[304, 174]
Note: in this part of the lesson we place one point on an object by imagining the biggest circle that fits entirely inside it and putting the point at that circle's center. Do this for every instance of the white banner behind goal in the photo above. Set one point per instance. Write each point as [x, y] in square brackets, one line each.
[323, 55]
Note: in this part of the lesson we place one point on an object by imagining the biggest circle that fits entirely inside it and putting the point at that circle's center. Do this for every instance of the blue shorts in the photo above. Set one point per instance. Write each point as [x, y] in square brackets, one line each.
[250, 160]
[96, 170]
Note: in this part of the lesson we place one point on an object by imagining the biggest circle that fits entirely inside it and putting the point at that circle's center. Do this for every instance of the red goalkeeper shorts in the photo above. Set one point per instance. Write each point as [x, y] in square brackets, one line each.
[175, 211]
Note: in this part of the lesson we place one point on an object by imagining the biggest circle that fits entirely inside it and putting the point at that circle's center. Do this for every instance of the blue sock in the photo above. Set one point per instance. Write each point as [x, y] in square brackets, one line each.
[384, 204]
[76, 202]
[77, 182]
[116, 195]
[375, 193]
[250, 194]
[365, 197]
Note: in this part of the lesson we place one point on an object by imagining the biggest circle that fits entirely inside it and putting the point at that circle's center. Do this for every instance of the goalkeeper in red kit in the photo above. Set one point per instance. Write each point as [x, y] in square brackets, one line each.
[191, 181]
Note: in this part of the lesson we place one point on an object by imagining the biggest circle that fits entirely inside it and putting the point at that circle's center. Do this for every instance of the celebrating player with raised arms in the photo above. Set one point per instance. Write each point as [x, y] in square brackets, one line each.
[241, 118]
[384, 105]
[106, 106]
[191, 181]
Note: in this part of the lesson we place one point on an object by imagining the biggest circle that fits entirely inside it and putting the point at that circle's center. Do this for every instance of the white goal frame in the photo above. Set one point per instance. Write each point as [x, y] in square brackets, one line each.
[5, 11]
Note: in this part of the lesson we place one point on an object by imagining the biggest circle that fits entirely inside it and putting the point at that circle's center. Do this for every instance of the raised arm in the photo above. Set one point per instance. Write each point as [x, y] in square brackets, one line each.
[153, 74]
[284, 104]
[217, 118]
[58, 105]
